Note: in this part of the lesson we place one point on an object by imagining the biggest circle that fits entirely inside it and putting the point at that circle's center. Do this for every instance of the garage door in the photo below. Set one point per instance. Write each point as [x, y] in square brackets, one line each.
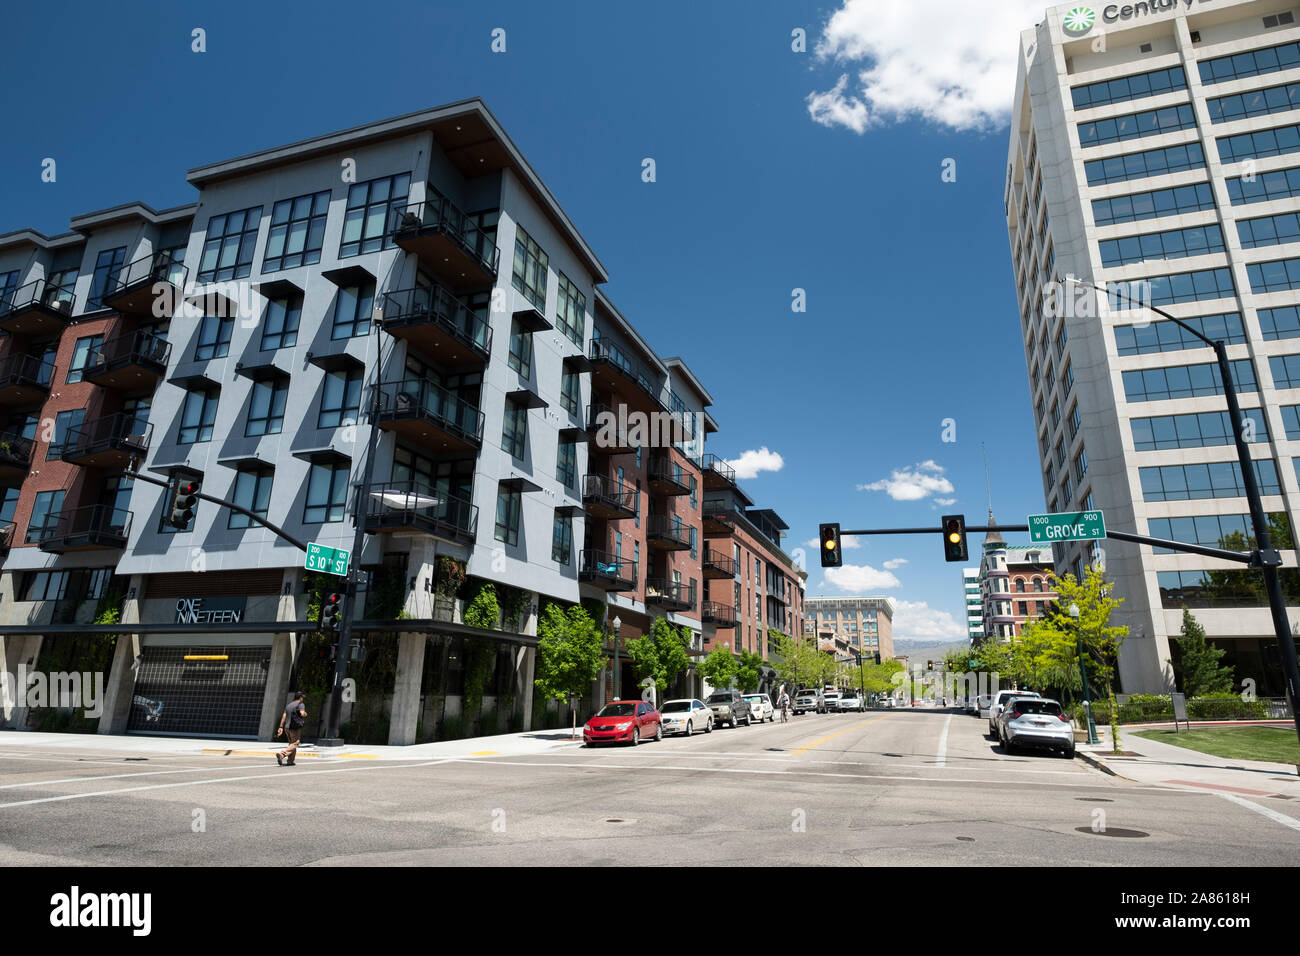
[215, 697]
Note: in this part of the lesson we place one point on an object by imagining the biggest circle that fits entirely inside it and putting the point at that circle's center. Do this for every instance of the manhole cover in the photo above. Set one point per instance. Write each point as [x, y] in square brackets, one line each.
[1112, 832]
[966, 839]
[1095, 799]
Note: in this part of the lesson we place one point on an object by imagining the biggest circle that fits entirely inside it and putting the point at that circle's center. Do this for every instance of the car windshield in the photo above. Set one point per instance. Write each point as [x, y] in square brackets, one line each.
[617, 710]
[1037, 707]
[719, 698]
[756, 699]
[673, 706]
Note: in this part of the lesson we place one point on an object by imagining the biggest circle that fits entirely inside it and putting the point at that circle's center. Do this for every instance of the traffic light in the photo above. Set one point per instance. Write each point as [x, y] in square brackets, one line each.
[330, 608]
[185, 498]
[954, 537]
[830, 549]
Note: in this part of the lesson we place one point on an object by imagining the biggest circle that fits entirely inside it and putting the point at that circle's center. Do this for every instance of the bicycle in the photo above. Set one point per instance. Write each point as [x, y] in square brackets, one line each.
[785, 713]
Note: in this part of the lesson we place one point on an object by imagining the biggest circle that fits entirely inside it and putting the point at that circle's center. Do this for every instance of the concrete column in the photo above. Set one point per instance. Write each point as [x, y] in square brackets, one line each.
[406, 689]
[120, 685]
[284, 650]
[526, 669]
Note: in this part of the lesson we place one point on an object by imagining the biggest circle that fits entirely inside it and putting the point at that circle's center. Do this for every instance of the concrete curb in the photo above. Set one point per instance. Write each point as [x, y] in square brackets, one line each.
[1097, 763]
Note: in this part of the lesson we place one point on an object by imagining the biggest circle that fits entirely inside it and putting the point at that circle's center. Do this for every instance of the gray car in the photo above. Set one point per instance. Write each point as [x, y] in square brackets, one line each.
[730, 708]
[1036, 722]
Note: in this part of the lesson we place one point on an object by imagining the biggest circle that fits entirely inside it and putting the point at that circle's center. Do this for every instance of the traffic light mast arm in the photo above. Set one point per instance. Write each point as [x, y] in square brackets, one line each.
[136, 476]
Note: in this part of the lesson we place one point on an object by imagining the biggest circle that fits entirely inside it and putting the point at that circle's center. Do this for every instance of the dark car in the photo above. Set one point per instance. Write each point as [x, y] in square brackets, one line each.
[730, 708]
[623, 721]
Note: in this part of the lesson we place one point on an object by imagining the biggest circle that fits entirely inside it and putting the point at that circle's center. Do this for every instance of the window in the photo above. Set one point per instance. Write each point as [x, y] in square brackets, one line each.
[8, 504]
[1257, 145]
[509, 502]
[197, 416]
[341, 402]
[514, 429]
[1216, 480]
[214, 338]
[1251, 63]
[61, 285]
[1135, 125]
[266, 410]
[80, 355]
[1128, 88]
[65, 425]
[1074, 422]
[107, 266]
[352, 309]
[1269, 230]
[1181, 287]
[566, 468]
[1153, 162]
[571, 311]
[365, 225]
[1023, 608]
[521, 350]
[570, 392]
[1274, 99]
[1038, 585]
[1067, 378]
[1280, 323]
[1175, 244]
[562, 540]
[1217, 530]
[1185, 381]
[228, 248]
[327, 493]
[1221, 588]
[1020, 585]
[44, 586]
[1169, 337]
[637, 513]
[280, 331]
[1261, 187]
[1080, 465]
[1285, 370]
[1154, 204]
[297, 232]
[1197, 430]
[695, 544]
[530, 265]
[45, 515]
[252, 491]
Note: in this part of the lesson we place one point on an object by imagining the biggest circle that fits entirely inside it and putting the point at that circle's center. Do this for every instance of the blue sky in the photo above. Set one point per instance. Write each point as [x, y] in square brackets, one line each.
[776, 170]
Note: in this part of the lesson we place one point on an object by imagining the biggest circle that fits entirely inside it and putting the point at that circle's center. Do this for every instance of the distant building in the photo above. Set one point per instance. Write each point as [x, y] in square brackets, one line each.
[1014, 583]
[865, 623]
[970, 583]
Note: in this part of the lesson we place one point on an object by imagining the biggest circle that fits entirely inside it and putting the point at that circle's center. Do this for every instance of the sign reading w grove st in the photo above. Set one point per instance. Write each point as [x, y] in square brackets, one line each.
[1066, 526]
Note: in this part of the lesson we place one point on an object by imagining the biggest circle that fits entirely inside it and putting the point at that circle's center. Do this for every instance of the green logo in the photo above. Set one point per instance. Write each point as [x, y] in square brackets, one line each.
[1079, 20]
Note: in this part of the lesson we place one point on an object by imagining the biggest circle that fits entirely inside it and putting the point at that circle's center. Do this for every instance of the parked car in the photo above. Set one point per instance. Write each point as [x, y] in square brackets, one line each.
[809, 699]
[851, 701]
[1006, 708]
[729, 707]
[1036, 722]
[831, 700]
[761, 706]
[623, 721]
[972, 704]
[686, 716]
[1000, 701]
[982, 704]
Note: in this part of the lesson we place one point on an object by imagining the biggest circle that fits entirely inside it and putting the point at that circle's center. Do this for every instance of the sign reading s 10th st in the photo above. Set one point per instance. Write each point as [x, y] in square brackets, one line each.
[1066, 526]
[329, 560]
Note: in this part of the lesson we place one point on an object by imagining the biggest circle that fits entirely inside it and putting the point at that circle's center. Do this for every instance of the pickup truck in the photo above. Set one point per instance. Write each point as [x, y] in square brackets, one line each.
[809, 700]
[730, 708]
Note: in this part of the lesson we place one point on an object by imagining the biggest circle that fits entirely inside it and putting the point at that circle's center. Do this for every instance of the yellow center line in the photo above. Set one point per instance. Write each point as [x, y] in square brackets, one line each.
[821, 740]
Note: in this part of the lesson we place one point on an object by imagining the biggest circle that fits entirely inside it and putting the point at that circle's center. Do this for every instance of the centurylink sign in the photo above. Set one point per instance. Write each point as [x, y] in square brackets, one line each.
[1079, 20]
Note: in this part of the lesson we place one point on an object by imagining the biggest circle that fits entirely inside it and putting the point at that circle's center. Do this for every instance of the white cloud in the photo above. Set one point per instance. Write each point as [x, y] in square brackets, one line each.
[921, 481]
[902, 64]
[917, 620]
[848, 542]
[945, 501]
[894, 563]
[857, 578]
[749, 464]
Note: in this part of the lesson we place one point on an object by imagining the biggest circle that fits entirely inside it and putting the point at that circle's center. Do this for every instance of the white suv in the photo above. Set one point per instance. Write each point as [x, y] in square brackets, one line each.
[1000, 701]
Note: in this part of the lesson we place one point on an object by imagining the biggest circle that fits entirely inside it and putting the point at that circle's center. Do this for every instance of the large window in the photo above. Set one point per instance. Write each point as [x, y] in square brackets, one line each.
[1152, 162]
[1129, 88]
[570, 392]
[327, 493]
[1216, 480]
[566, 468]
[1269, 230]
[1274, 99]
[266, 407]
[197, 416]
[571, 311]
[1197, 430]
[1225, 588]
[529, 275]
[228, 248]
[514, 431]
[80, 354]
[1135, 125]
[214, 338]
[521, 350]
[252, 491]
[1180, 287]
[1153, 205]
[562, 540]
[1174, 244]
[1185, 381]
[352, 307]
[1251, 63]
[509, 502]
[45, 515]
[297, 232]
[107, 267]
[1285, 370]
[1275, 276]
[341, 402]
[280, 330]
[1257, 145]
[1170, 337]
[1261, 187]
[365, 225]
[1280, 323]
[65, 423]
[1219, 531]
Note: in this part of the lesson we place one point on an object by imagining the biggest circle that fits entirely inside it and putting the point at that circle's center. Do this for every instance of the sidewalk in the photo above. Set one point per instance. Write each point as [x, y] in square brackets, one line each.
[133, 745]
[1163, 764]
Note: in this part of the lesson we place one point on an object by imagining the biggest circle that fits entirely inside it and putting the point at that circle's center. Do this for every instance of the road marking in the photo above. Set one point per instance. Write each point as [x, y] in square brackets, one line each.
[943, 744]
[821, 740]
[118, 776]
[1273, 815]
[1219, 786]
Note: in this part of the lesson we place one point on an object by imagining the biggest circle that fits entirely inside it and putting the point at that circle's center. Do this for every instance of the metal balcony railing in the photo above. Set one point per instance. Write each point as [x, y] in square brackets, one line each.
[121, 431]
[670, 528]
[665, 470]
[721, 614]
[610, 492]
[141, 347]
[440, 215]
[40, 292]
[602, 350]
[415, 505]
[155, 267]
[718, 466]
[718, 562]
[89, 526]
[678, 594]
[25, 370]
[409, 307]
[419, 398]
[603, 568]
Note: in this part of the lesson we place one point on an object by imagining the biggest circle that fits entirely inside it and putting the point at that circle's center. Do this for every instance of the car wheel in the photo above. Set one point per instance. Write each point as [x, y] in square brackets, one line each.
[734, 724]
[708, 728]
[659, 732]
[636, 736]
[690, 728]
[1008, 747]
[1069, 754]
[749, 720]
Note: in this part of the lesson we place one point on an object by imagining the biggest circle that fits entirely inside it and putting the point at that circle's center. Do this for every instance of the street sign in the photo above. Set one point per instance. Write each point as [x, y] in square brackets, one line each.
[329, 560]
[1066, 526]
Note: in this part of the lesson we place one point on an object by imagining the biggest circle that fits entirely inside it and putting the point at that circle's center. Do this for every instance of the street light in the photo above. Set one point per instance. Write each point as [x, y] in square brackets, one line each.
[1265, 556]
[1083, 672]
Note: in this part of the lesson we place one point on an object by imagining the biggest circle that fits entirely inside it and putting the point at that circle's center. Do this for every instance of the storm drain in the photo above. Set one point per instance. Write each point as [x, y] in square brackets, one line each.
[1095, 799]
[966, 839]
[1112, 832]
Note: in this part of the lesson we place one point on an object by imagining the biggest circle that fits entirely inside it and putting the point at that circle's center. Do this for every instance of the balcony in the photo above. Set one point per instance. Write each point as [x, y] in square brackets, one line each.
[37, 309]
[446, 240]
[439, 324]
[717, 523]
[429, 415]
[668, 533]
[606, 571]
[613, 371]
[108, 442]
[608, 430]
[149, 287]
[668, 477]
[129, 362]
[414, 508]
[716, 566]
[719, 615]
[608, 498]
[24, 379]
[718, 475]
[15, 457]
[89, 528]
[669, 595]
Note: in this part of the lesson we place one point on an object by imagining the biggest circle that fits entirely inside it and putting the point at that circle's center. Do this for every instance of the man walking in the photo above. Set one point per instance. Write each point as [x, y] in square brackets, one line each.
[291, 721]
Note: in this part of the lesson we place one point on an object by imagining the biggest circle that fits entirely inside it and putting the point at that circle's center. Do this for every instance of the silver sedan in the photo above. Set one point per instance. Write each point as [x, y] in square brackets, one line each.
[686, 716]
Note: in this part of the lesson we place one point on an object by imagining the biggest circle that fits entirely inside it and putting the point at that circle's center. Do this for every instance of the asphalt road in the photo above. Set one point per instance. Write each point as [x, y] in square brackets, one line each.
[885, 787]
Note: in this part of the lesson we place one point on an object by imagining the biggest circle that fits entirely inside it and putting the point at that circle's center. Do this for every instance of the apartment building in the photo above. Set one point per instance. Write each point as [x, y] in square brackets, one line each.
[1157, 144]
[866, 623]
[970, 583]
[1014, 585]
[329, 331]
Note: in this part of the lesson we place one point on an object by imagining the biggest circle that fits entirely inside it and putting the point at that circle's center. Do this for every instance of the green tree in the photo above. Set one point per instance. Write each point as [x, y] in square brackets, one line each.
[1201, 671]
[570, 651]
[660, 654]
[749, 671]
[719, 668]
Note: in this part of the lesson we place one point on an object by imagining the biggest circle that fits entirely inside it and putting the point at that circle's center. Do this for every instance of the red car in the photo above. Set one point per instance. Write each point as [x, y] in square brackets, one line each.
[623, 721]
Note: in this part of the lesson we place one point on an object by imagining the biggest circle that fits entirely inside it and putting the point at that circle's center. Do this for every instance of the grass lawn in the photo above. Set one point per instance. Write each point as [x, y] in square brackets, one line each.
[1277, 744]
